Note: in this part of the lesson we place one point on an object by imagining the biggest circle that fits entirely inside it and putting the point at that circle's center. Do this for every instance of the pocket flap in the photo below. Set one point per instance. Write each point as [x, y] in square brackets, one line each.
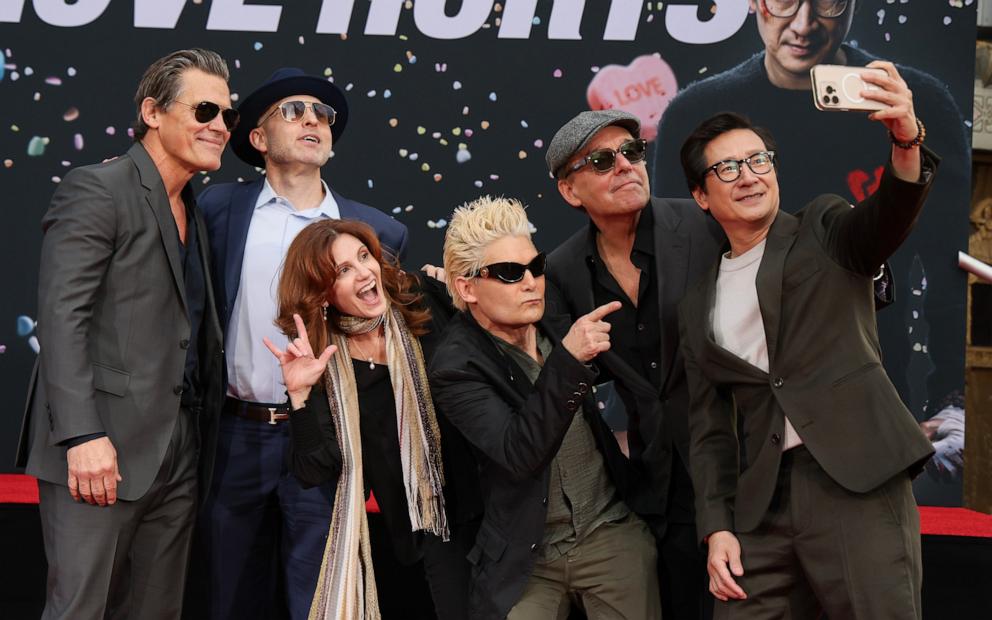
[110, 380]
[487, 541]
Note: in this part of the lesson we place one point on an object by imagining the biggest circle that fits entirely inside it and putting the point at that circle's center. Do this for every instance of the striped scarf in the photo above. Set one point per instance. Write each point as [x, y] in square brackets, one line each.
[346, 584]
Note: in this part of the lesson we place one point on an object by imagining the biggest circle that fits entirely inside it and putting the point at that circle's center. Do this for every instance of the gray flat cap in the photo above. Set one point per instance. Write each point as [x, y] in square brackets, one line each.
[577, 132]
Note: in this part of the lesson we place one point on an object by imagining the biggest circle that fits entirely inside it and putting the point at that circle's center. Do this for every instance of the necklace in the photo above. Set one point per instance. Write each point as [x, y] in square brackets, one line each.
[361, 352]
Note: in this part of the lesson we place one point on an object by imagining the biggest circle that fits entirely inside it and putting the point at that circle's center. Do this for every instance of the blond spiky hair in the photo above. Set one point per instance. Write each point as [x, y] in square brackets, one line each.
[475, 225]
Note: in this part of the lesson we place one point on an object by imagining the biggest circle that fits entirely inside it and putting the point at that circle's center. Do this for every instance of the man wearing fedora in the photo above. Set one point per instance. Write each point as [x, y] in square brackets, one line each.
[258, 525]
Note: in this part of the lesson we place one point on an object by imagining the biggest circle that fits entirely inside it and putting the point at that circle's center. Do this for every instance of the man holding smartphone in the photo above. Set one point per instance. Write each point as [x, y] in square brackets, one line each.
[802, 452]
[773, 89]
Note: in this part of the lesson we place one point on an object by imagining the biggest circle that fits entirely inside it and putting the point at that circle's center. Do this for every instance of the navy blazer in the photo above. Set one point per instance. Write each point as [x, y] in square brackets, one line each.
[228, 208]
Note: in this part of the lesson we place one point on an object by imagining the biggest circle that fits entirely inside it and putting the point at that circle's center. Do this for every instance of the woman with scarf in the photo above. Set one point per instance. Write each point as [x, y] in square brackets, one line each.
[354, 370]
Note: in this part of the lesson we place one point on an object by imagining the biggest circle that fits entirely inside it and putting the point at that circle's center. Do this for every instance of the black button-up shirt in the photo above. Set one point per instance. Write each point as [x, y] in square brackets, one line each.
[196, 299]
[635, 336]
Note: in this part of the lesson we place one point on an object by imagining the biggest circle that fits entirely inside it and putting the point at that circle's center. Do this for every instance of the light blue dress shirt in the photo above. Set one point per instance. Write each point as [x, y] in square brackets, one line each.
[253, 373]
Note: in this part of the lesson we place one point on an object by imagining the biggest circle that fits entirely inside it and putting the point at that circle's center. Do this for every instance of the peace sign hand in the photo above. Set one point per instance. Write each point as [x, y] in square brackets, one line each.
[300, 369]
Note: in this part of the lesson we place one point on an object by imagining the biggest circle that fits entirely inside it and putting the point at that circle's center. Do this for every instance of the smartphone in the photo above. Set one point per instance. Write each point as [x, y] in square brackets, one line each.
[837, 87]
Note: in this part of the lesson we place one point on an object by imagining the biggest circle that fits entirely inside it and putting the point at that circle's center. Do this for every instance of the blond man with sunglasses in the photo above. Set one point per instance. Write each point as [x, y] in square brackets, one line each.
[557, 530]
[256, 510]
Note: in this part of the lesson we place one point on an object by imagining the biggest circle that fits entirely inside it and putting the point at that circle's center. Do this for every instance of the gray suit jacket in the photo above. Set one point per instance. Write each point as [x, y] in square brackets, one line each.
[825, 373]
[113, 325]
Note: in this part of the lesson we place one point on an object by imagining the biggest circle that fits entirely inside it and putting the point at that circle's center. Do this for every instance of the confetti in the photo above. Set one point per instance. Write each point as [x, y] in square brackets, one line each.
[28, 71]
[456, 85]
[492, 96]
[408, 208]
[478, 183]
[371, 93]
[462, 156]
[25, 325]
[538, 143]
[903, 19]
[397, 210]
[70, 115]
[257, 46]
[393, 122]
[71, 72]
[53, 81]
[36, 146]
[414, 157]
[484, 124]
[524, 124]
[301, 40]
[522, 154]
[110, 131]
[8, 163]
[557, 73]
[437, 178]
[386, 94]
[421, 130]
[404, 152]
[397, 67]
[370, 184]
[425, 167]
[457, 131]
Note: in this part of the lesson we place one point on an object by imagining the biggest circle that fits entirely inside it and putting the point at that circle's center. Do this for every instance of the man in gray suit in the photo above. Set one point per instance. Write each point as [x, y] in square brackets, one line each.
[801, 450]
[124, 397]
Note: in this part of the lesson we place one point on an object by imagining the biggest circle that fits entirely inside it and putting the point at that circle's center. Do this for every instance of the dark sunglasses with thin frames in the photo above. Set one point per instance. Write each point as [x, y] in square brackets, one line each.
[829, 9]
[293, 112]
[511, 273]
[729, 170]
[603, 160]
[206, 111]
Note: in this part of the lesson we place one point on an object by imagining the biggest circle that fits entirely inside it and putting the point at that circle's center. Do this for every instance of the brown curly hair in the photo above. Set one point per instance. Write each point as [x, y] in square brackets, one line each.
[308, 278]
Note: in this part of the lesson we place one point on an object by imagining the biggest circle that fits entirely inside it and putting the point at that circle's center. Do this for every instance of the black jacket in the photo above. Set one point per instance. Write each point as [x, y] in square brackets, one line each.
[515, 429]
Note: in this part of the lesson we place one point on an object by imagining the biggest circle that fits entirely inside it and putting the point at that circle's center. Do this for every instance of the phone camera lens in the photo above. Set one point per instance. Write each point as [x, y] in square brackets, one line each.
[835, 100]
[830, 90]
[826, 99]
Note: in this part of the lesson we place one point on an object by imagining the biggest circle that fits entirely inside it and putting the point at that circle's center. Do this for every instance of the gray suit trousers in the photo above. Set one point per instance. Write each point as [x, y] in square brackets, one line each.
[127, 560]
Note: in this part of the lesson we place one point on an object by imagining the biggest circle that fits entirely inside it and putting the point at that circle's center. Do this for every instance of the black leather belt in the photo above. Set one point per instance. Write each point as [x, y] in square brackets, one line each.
[255, 411]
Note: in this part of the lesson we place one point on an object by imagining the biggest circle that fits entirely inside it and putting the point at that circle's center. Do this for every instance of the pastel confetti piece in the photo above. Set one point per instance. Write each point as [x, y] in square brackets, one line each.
[3, 348]
[25, 325]
[70, 115]
[425, 167]
[456, 85]
[431, 224]
[53, 81]
[947, 22]
[524, 124]
[538, 143]
[468, 133]
[478, 183]
[437, 178]
[404, 152]
[371, 93]
[66, 163]
[903, 19]
[33, 343]
[421, 131]
[414, 157]
[557, 73]
[349, 87]
[71, 72]
[56, 179]
[393, 122]
[397, 67]
[492, 96]
[301, 40]
[15, 128]
[408, 208]
[465, 111]
[441, 223]
[443, 142]
[456, 131]
[8, 163]
[386, 94]
[436, 135]
[37, 96]
[110, 131]
[327, 72]
[257, 45]
[522, 154]
[14, 76]
[28, 71]
[494, 177]
[462, 156]
[36, 146]
[484, 124]
[397, 210]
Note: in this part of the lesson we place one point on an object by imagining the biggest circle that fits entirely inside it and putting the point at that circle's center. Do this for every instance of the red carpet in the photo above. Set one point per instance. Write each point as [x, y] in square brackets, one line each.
[20, 489]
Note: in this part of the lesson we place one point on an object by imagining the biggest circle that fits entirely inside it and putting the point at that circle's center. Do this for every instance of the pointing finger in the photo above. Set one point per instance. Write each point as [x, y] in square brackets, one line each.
[604, 310]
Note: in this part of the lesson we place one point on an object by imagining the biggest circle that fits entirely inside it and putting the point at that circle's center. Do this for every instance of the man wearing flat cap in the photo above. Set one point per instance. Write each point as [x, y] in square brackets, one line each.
[258, 526]
[643, 252]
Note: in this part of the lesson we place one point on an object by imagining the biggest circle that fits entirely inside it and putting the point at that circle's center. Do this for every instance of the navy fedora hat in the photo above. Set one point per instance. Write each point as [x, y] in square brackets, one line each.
[285, 82]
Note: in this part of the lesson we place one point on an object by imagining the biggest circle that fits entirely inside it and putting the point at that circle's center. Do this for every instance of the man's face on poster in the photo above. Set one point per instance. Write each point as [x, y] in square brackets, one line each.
[799, 34]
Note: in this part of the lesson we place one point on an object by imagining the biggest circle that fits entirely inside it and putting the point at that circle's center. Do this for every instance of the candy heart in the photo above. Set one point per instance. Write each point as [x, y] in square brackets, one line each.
[644, 88]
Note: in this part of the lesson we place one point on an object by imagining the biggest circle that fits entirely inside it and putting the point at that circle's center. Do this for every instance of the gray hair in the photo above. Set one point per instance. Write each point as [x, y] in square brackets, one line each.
[162, 80]
[473, 227]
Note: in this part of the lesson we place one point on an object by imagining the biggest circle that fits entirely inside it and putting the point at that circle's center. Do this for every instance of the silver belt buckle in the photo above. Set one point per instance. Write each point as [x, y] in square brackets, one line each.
[272, 415]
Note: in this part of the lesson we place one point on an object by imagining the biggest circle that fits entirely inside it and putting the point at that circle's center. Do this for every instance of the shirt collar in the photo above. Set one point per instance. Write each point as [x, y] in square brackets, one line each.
[643, 235]
[328, 207]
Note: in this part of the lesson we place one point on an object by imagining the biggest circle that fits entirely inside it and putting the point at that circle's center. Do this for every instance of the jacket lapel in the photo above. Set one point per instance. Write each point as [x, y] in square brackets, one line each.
[701, 311]
[158, 202]
[243, 200]
[671, 255]
[769, 280]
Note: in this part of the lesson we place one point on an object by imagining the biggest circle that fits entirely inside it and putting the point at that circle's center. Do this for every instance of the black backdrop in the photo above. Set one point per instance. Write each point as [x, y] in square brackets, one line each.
[70, 69]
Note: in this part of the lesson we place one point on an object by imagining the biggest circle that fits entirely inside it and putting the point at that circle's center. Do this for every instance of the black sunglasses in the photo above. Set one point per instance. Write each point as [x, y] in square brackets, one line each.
[293, 111]
[602, 160]
[513, 272]
[206, 111]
